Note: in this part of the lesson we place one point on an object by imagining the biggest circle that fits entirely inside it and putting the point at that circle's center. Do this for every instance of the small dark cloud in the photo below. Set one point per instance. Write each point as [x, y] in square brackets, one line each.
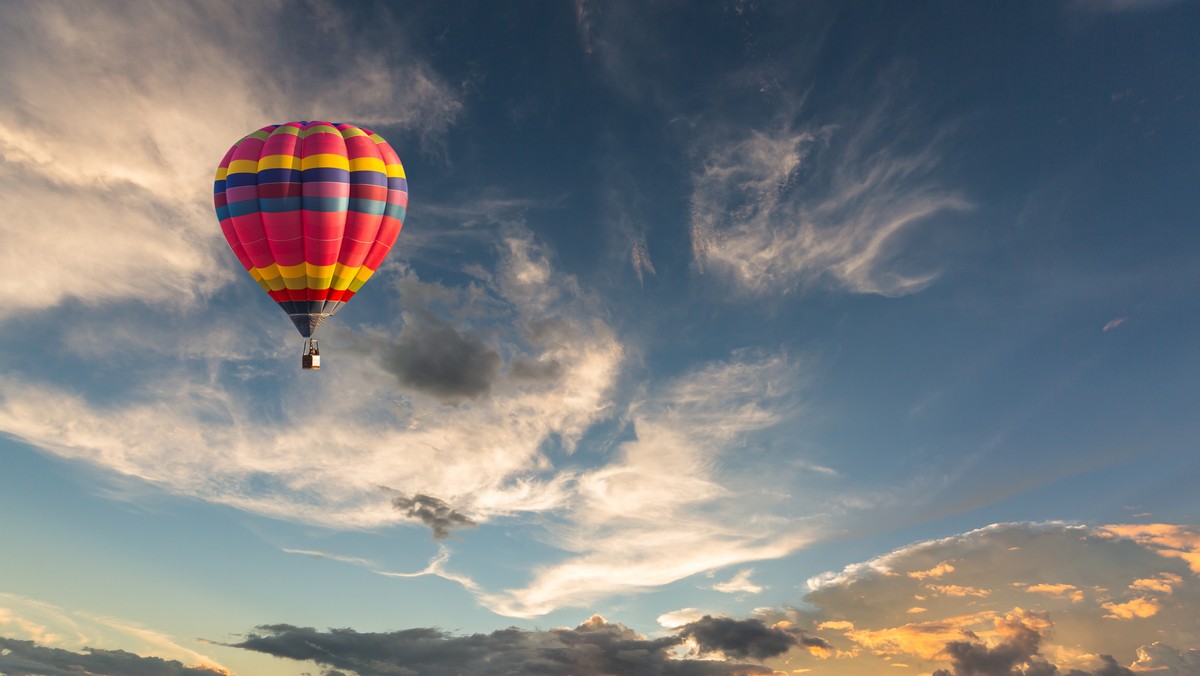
[435, 358]
[26, 657]
[537, 371]
[594, 647]
[433, 512]
[1017, 655]
[746, 638]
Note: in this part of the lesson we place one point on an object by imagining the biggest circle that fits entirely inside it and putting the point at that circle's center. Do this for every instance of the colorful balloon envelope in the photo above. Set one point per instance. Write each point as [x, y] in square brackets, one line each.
[311, 209]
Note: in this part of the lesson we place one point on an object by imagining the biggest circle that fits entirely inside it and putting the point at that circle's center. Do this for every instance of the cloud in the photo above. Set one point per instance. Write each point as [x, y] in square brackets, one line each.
[203, 434]
[594, 647]
[106, 157]
[1140, 607]
[1163, 658]
[1169, 540]
[28, 622]
[778, 208]
[1114, 324]
[739, 583]
[676, 496]
[435, 358]
[746, 638]
[665, 506]
[1061, 591]
[433, 512]
[1016, 654]
[1135, 590]
[27, 657]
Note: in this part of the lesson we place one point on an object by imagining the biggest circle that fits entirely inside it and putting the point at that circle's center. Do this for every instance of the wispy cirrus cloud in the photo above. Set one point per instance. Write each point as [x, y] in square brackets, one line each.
[782, 208]
[107, 160]
[666, 507]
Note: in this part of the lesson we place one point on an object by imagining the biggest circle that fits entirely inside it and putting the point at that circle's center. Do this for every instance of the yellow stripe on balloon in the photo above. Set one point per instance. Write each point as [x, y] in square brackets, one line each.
[395, 171]
[367, 164]
[243, 167]
[278, 162]
[319, 282]
[221, 173]
[342, 276]
[257, 276]
[364, 273]
[270, 272]
[325, 161]
[297, 271]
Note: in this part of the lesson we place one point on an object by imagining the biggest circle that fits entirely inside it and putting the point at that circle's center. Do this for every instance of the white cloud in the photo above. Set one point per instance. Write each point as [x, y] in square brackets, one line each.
[193, 435]
[114, 118]
[663, 510]
[739, 583]
[782, 208]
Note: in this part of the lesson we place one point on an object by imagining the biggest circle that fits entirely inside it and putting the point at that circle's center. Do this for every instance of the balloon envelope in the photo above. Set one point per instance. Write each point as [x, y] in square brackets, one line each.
[311, 209]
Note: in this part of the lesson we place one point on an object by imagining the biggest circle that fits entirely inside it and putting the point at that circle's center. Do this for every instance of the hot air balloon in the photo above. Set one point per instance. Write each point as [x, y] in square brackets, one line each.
[311, 209]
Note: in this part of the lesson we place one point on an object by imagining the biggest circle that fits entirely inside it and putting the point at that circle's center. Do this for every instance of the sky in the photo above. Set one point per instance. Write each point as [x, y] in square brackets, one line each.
[727, 337]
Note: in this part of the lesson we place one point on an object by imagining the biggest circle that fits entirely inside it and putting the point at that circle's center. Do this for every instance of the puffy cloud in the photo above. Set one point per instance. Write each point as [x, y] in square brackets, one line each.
[435, 358]
[1027, 605]
[1163, 658]
[746, 638]
[103, 180]
[1139, 607]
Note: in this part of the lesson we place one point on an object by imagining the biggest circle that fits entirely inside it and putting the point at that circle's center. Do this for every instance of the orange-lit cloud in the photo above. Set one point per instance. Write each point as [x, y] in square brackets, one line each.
[958, 591]
[1140, 607]
[1060, 591]
[925, 639]
[1172, 541]
[935, 572]
[1164, 583]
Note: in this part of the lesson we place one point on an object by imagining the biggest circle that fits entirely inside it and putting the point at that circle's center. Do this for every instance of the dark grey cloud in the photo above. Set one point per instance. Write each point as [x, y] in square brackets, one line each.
[26, 657]
[1018, 655]
[594, 647]
[746, 638]
[433, 512]
[435, 358]
[536, 371]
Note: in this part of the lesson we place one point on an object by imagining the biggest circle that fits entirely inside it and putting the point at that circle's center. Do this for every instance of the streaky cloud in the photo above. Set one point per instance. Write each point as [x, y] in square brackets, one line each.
[783, 207]
[593, 647]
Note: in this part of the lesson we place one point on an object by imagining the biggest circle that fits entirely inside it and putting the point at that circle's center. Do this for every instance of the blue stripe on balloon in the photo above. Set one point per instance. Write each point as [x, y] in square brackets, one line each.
[328, 174]
[244, 208]
[278, 176]
[368, 178]
[218, 187]
[279, 205]
[366, 206]
[325, 204]
[242, 179]
[394, 210]
[398, 184]
[222, 213]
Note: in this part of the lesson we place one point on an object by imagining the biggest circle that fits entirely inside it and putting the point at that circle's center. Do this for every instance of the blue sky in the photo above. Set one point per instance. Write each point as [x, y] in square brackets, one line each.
[729, 337]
